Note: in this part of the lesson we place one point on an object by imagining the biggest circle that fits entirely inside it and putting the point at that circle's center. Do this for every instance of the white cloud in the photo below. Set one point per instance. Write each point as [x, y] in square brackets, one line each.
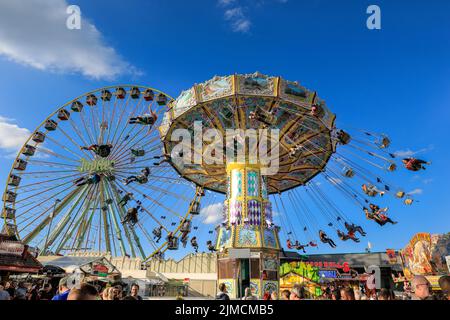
[415, 191]
[12, 137]
[409, 153]
[34, 33]
[212, 214]
[226, 2]
[239, 22]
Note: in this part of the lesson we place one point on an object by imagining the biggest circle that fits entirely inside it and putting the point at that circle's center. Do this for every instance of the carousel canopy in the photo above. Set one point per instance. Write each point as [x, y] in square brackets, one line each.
[253, 101]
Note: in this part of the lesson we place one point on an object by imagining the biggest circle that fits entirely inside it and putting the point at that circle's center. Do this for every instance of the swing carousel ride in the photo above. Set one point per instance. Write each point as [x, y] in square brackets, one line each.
[99, 174]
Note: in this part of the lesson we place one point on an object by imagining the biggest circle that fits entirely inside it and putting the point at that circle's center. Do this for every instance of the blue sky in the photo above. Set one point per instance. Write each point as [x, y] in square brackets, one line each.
[394, 80]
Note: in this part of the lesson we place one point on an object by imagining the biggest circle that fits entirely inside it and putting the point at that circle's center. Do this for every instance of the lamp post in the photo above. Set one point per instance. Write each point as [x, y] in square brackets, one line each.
[52, 214]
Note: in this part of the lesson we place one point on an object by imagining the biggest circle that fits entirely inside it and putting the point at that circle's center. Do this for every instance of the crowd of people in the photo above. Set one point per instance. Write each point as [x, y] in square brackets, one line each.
[12, 290]
[420, 290]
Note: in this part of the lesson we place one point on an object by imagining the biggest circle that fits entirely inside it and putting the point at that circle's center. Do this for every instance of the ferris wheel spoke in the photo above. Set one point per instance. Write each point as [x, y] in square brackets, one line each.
[87, 128]
[124, 142]
[119, 120]
[78, 132]
[52, 153]
[20, 187]
[125, 227]
[45, 191]
[64, 147]
[126, 158]
[79, 147]
[114, 210]
[126, 153]
[63, 222]
[149, 213]
[84, 208]
[111, 120]
[86, 223]
[51, 164]
[104, 216]
[42, 224]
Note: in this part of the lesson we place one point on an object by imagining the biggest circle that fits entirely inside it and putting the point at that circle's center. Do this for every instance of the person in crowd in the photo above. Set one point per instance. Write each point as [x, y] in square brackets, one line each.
[297, 293]
[32, 292]
[222, 294]
[63, 290]
[335, 294]
[285, 294]
[267, 296]
[274, 295]
[384, 294]
[10, 287]
[4, 295]
[444, 283]
[130, 298]
[46, 292]
[347, 293]
[421, 289]
[358, 294]
[84, 292]
[248, 295]
[135, 291]
[21, 292]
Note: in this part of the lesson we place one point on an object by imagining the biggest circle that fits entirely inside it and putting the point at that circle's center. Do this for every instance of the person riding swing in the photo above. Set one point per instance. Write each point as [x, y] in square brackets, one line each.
[324, 238]
[147, 119]
[102, 150]
[414, 164]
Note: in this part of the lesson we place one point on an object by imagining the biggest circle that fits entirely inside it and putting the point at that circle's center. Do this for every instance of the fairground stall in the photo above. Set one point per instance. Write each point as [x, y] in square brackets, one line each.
[16, 259]
[426, 254]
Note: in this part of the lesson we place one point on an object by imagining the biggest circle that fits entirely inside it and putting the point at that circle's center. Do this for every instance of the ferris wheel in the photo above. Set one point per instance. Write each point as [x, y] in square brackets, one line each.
[91, 178]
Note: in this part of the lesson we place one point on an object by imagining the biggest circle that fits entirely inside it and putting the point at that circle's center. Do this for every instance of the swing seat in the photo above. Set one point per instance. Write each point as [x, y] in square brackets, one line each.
[76, 106]
[344, 137]
[408, 201]
[385, 142]
[392, 167]
[400, 194]
[173, 244]
[91, 100]
[186, 227]
[349, 173]
[195, 210]
[138, 153]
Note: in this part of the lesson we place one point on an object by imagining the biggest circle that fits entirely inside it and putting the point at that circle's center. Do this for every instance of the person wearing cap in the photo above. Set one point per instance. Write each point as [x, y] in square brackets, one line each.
[63, 290]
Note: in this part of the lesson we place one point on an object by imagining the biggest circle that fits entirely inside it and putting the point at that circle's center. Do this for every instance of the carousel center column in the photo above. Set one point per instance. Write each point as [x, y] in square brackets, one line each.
[247, 242]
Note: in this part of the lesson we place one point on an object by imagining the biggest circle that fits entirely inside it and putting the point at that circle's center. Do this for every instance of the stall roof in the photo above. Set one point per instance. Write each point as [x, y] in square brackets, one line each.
[15, 257]
[354, 259]
[70, 263]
